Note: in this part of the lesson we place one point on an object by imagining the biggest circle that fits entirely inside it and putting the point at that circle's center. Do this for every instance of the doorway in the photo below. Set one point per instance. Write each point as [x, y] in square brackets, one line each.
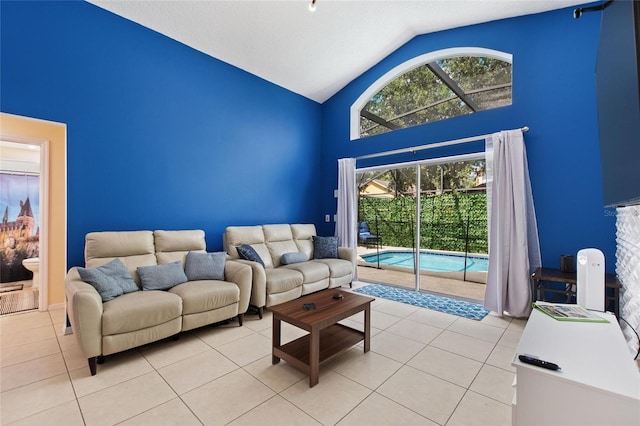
[24, 230]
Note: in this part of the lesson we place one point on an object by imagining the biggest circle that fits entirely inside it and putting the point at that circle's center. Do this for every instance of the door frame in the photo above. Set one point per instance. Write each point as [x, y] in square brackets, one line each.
[43, 244]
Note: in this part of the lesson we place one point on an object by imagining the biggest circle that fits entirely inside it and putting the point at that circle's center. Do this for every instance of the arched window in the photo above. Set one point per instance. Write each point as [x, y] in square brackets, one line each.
[432, 87]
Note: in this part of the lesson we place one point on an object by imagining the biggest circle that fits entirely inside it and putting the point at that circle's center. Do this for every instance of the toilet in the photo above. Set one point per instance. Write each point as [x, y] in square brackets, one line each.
[33, 265]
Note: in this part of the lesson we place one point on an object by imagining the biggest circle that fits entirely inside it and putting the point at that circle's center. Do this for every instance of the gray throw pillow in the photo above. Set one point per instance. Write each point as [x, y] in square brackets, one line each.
[205, 266]
[293, 257]
[247, 252]
[325, 247]
[110, 280]
[161, 277]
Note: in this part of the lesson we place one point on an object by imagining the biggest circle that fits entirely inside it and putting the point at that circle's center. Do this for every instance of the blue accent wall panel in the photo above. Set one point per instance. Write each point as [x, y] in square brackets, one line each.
[162, 136]
[159, 135]
[554, 59]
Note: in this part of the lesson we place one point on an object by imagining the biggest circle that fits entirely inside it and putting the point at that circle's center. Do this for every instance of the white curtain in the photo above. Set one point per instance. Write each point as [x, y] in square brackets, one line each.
[514, 248]
[346, 221]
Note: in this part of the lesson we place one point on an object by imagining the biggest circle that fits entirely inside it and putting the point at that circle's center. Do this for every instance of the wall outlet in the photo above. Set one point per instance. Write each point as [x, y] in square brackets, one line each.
[335, 217]
[327, 218]
[335, 193]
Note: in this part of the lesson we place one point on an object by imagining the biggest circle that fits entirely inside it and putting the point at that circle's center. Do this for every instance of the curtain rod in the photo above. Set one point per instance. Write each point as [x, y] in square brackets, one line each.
[431, 145]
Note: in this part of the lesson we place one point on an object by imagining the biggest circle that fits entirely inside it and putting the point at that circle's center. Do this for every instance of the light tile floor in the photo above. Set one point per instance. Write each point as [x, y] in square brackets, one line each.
[424, 368]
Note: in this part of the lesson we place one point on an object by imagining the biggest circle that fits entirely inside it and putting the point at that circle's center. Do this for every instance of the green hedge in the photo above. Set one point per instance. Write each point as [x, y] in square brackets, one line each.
[453, 221]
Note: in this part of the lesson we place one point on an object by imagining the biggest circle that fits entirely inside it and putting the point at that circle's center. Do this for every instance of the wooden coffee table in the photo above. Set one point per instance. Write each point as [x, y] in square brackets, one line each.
[326, 339]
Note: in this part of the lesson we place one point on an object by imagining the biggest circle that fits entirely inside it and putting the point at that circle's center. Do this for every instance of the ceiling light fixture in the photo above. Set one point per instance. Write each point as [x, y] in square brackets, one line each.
[312, 6]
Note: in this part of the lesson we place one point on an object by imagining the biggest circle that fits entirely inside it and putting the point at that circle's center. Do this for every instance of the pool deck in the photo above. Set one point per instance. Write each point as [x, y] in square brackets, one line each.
[441, 283]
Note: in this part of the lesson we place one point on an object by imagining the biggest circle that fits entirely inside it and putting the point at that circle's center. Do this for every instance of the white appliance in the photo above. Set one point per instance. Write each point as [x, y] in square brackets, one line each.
[590, 279]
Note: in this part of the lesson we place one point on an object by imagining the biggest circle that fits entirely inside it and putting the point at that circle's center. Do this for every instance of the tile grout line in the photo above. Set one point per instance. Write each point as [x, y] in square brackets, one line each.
[67, 373]
[178, 396]
[279, 393]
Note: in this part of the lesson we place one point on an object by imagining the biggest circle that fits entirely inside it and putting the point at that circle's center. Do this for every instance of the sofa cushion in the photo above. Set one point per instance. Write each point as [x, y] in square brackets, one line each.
[185, 240]
[172, 246]
[133, 248]
[282, 279]
[205, 295]
[303, 237]
[279, 232]
[110, 280]
[118, 244]
[161, 277]
[312, 271]
[325, 247]
[303, 231]
[237, 235]
[245, 251]
[337, 267]
[205, 266]
[278, 248]
[293, 257]
[139, 310]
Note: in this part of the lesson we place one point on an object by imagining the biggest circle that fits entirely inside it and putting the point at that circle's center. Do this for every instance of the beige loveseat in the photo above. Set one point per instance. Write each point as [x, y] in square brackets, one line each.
[277, 283]
[140, 317]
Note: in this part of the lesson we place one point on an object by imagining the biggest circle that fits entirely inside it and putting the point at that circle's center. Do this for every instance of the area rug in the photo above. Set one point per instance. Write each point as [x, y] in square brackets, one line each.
[18, 302]
[425, 300]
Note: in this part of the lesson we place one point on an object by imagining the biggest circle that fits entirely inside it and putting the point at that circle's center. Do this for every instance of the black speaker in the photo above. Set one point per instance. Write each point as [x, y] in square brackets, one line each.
[567, 263]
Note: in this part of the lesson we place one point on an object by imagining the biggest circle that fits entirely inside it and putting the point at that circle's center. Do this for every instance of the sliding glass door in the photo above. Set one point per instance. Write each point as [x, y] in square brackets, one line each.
[426, 224]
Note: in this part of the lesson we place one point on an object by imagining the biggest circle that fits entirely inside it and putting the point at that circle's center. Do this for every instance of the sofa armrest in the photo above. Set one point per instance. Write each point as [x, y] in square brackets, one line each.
[84, 309]
[258, 282]
[350, 254]
[240, 274]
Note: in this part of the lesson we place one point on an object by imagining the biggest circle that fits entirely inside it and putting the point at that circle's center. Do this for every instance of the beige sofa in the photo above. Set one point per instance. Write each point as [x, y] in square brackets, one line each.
[140, 317]
[277, 283]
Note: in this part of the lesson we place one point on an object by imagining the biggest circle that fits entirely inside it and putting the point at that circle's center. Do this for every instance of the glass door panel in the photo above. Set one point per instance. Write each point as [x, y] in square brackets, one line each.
[387, 225]
[453, 228]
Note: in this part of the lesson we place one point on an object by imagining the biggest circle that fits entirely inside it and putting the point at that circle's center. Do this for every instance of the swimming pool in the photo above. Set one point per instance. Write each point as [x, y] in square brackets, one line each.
[429, 261]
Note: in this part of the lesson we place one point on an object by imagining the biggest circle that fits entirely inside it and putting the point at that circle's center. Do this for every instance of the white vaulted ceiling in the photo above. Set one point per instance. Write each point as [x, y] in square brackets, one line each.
[314, 54]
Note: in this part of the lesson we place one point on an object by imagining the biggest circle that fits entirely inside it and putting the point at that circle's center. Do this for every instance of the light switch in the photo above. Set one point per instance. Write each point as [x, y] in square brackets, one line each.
[327, 218]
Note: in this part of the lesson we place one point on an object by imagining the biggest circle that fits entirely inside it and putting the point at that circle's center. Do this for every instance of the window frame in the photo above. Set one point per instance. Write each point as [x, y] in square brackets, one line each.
[409, 65]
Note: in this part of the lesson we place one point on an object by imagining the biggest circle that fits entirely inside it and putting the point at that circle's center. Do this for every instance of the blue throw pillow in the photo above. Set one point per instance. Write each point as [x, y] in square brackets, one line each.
[161, 277]
[205, 266]
[293, 257]
[110, 280]
[325, 247]
[247, 252]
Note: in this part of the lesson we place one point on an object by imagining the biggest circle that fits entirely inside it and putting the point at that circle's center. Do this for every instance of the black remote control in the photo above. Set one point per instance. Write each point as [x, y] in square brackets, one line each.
[538, 362]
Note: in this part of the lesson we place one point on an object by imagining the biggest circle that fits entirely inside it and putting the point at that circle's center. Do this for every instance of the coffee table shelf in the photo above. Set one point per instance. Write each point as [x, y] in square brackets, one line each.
[334, 341]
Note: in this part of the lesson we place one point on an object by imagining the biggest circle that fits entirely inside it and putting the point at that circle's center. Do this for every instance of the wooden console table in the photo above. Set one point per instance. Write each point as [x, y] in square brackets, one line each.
[542, 275]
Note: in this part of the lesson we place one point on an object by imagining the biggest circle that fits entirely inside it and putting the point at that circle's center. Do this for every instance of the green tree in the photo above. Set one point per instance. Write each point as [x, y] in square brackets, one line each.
[402, 181]
[419, 96]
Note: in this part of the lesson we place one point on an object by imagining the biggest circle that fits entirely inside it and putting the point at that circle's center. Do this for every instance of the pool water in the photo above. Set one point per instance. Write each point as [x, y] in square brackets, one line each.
[430, 261]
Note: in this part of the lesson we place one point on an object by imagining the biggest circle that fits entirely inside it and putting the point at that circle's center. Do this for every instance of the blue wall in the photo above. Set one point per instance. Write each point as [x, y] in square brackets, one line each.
[553, 93]
[159, 136]
[162, 136]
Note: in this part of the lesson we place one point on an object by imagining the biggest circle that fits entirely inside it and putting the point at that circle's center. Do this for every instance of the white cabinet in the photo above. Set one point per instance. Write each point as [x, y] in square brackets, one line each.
[598, 384]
